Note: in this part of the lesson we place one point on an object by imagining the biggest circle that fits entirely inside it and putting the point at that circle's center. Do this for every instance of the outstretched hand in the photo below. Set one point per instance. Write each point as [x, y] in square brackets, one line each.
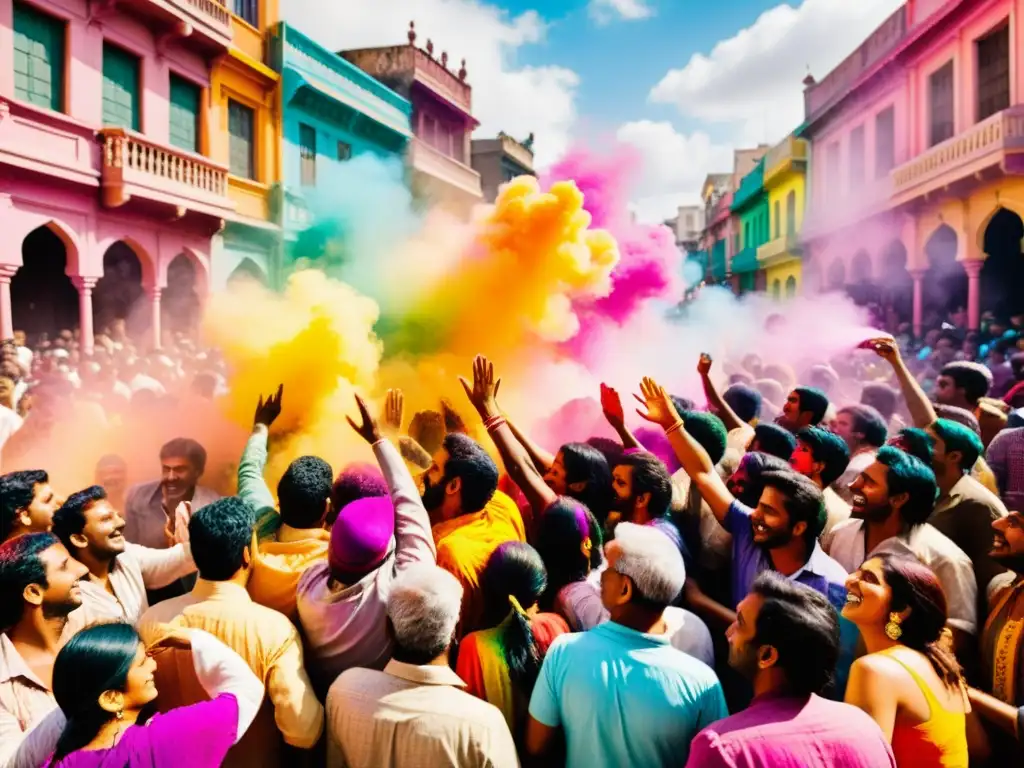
[268, 410]
[367, 428]
[704, 364]
[394, 411]
[611, 404]
[481, 394]
[658, 404]
[885, 347]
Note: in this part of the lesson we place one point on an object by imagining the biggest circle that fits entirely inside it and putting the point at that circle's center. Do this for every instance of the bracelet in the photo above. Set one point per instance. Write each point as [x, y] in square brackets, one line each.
[488, 423]
[495, 424]
[674, 428]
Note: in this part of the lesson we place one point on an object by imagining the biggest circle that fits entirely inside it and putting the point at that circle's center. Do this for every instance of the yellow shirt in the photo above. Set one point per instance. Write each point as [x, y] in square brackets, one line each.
[271, 647]
[280, 562]
[465, 543]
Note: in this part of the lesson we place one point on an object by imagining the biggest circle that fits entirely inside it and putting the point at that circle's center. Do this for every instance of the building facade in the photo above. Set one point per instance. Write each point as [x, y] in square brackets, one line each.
[112, 187]
[917, 155]
[785, 183]
[500, 160]
[750, 208]
[717, 195]
[246, 137]
[439, 154]
[332, 112]
[688, 227]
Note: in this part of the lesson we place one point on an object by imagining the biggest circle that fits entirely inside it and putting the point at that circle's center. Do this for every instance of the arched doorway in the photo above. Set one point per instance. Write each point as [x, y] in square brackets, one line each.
[897, 284]
[836, 275]
[118, 295]
[945, 283]
[247, 272]
[43, 299]
[1002, 276]
[179, 302]
[790, 287]
[776, 289]
[860, 287]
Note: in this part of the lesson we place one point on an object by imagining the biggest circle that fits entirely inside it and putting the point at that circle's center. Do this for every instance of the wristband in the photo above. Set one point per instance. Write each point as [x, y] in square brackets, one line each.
[492, 424]
[674, 428]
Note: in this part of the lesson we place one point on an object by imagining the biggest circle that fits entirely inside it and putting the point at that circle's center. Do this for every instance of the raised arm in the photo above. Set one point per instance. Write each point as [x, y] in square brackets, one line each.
[920, 407]
[611, 406]
[161, 567]
[691, 454]
[715, 400]
[515, 458]
[252, 488]
[542, 459]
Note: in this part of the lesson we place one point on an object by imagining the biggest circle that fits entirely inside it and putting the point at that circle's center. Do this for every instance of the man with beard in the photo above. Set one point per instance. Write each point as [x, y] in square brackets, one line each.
[780, 534]
[119, 572]
[805, 407]
[892, 500]
[785, 642]
[27, 503]
[39, 587]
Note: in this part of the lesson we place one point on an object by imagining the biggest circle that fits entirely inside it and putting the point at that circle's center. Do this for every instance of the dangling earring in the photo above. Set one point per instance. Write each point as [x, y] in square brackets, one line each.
[119, 714]
[893, 630]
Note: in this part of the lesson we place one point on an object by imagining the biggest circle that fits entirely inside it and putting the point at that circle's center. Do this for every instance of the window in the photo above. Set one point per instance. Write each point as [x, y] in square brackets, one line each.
[791, 212]
[746, 234]
[885, 142]
[993, 72]
[38, 58]
[832, 170]
[184, 131]
[307, 155]
[120, 87]
[857, 156]
[940, 101]
[344, 151]
[248, 11]
[241, 144]
[778, 218]
[790, 287]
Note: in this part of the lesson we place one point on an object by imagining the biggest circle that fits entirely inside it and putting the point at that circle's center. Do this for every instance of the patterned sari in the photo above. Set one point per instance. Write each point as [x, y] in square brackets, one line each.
[1003, 645]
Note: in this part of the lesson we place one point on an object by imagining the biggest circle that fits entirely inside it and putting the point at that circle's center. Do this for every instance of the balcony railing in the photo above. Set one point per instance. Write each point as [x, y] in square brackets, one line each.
[203, 22]
[779, 249]
[785, 156]
[41, 141]
[979, 147]
[441, 79]
[433, 163]
[134, 166]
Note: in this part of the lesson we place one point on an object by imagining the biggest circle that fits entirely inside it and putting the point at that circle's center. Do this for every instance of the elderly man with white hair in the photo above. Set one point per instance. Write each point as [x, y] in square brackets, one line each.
[415, 714]
[620, 692]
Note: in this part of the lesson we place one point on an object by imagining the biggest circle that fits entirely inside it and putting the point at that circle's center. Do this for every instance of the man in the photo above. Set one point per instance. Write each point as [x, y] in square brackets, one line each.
[805, 407]
[773, 440]
[112, 477]
[150, 507]
[293, 539]
[119, 572]
[27, 503]
[642, 489]
[892, 500]
[822, 456]
[962, 385]
[864, 431]
[649, 700]
[415, 712]
[785, 642]
[780, 534]
[221, 535]
[342, 603]
[1006, 458]
[39, 587]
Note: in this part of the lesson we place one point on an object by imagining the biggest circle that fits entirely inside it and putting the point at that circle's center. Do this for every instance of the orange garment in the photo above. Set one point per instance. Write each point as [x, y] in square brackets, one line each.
[281, 561]
[465, 543]
[939, 742]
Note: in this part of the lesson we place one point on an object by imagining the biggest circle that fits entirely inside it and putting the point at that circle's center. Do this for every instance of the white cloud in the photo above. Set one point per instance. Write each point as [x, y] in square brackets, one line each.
[605, 11]
[753, 79]
[506, 97]
[674, 166]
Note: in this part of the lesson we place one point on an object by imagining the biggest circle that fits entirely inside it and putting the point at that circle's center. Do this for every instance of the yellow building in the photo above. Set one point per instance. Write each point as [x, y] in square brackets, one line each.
[246, 137]
[785, 181]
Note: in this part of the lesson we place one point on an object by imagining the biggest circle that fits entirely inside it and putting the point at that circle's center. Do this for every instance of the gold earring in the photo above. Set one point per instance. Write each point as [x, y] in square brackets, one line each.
[119, 714]
[893, 630]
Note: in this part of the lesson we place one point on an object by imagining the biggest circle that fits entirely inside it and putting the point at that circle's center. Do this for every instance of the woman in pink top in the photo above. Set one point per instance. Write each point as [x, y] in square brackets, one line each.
[103, 682]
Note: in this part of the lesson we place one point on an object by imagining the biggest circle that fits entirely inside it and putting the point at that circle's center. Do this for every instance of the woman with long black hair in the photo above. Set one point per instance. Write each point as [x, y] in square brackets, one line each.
[103, 682]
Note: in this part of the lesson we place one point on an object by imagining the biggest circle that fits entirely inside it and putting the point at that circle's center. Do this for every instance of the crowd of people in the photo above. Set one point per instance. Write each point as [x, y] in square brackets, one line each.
[822, 567]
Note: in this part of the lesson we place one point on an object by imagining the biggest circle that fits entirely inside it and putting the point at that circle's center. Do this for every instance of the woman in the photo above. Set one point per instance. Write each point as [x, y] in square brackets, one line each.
[568, 540]
[909, 681]
[500, 663]
[581, 471]
[103, 682]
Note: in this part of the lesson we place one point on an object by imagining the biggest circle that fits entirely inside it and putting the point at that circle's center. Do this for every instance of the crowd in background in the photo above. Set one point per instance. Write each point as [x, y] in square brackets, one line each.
[820, 567]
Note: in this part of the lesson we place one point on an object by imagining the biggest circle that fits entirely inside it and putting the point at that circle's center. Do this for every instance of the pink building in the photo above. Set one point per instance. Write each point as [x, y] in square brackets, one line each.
[918, 153]
[108, 202]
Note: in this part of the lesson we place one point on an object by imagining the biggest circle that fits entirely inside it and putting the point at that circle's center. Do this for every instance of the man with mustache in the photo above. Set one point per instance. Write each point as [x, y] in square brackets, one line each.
[804, 407]
[39, 588]
[119, 572]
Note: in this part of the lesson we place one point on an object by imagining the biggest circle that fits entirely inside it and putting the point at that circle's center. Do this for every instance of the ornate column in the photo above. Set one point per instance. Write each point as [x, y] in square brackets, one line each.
[85, 329]
[154, 307]
[7, 272]
[918, 276]
[973, 269]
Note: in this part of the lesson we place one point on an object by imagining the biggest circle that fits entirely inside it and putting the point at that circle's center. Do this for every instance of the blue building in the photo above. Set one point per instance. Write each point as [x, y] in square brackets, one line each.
[331, 112]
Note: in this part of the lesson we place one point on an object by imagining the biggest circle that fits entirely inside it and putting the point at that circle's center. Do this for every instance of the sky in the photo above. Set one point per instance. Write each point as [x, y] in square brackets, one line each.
[685, 82]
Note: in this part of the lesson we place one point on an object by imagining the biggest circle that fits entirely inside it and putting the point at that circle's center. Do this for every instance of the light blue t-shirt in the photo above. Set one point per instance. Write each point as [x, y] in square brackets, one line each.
[624, 698]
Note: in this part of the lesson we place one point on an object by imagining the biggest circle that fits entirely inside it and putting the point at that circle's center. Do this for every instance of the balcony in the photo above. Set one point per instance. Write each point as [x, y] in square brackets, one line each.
[790, 155]
[745, 260]
[203, 23]
[781, 249]
[40, 141]
[997, 141]
[135, 167]
[430, 162]
[399, 65]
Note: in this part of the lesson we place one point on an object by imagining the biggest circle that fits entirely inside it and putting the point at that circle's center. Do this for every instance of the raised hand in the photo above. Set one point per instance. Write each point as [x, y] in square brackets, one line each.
[885, 347]
[658, 405]
[171, 636]
[611, 404]
[394, 411]
[481, 393]
[367, 428]
[268, 410]
[704, 364]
